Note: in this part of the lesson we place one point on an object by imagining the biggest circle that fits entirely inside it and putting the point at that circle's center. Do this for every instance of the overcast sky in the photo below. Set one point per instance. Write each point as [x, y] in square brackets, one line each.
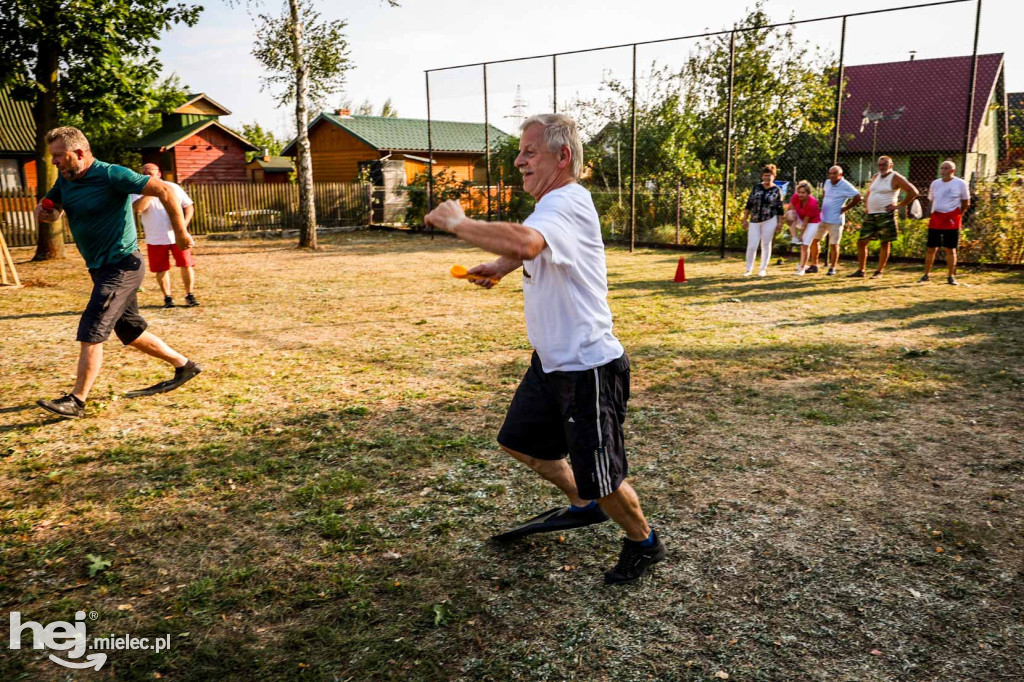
[390, 47]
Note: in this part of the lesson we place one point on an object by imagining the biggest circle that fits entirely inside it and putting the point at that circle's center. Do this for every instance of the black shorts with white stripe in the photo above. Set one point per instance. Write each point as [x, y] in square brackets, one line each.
[576, 413]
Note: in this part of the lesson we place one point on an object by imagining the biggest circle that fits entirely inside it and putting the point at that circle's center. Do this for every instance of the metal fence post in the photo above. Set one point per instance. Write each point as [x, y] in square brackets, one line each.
[841, 76]
[632, 178]
[554, 83]
[487, 146]
[679, 206]
[970, 96]
[430, 155]
[728, 141]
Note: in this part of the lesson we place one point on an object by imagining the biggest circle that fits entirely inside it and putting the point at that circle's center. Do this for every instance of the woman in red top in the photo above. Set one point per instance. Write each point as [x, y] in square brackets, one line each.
[808, 219]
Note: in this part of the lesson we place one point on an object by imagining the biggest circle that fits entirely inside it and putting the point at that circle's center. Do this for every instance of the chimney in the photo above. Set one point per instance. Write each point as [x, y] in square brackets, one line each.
[266, 154]
[344, 112]
[913, 53]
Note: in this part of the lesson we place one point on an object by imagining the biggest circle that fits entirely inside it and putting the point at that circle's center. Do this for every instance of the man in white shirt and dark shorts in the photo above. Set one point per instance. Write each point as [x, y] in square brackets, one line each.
[950, 196]
[160, 244]
[573, 397]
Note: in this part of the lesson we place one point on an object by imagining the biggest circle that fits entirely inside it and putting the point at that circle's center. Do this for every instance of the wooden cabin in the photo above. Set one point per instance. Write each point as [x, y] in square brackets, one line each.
[17, 144]
[192, 145]
[270, 169]
[342, 145]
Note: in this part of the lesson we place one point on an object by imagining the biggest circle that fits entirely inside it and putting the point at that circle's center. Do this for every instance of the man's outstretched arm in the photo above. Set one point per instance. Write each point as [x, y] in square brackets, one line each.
[512, 241]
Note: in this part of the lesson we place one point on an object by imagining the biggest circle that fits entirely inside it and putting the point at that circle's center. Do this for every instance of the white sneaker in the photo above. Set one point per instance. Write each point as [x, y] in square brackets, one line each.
[800, 271]
[762, 273]
[748, 273]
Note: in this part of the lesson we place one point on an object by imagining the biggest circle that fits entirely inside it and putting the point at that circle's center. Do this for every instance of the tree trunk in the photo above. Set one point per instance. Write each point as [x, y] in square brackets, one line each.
[50, 244]
[303, 163]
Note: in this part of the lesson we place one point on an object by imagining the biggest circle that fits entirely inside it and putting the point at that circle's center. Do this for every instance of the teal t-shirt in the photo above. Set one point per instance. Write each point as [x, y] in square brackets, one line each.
[100, 212]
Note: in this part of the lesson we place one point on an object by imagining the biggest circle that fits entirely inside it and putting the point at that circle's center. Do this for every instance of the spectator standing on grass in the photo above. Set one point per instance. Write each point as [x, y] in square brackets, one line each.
[839, 197]
[95, 196]
[761, 219]
[880, 223]
[808, 216]
[950, 197]
[160, 246]
[572, 399]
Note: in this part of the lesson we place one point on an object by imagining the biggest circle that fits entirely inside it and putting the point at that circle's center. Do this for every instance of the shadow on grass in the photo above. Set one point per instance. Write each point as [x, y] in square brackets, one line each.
[29, 316]
[942, 312]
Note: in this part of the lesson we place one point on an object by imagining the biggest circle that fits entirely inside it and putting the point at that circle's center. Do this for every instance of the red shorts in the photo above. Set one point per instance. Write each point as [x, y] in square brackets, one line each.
[945, 221]
[160, 257]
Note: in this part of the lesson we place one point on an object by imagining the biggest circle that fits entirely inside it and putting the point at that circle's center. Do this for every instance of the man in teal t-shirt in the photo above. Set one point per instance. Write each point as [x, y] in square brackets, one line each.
[95, 197]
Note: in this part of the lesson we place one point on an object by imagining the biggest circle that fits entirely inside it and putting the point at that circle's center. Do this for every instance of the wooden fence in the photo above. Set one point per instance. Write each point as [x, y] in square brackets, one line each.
[17, 217]
[237, 207]
[221, 208]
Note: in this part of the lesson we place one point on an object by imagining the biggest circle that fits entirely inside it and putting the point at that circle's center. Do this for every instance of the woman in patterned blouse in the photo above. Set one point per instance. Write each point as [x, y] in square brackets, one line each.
[760, 218]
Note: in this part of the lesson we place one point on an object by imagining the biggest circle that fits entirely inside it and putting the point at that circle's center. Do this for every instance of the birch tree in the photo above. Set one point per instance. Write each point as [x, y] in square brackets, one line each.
[306, 58]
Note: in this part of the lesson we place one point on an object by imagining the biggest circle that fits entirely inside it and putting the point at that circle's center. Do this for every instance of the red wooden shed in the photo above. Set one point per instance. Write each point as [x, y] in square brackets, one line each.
[193, 146]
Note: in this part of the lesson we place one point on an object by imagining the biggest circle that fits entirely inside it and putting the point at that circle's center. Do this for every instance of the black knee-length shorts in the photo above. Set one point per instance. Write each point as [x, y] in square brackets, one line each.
[576, 413]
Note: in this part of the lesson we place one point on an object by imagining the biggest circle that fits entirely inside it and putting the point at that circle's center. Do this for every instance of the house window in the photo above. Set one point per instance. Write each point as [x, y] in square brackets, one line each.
[10, 174]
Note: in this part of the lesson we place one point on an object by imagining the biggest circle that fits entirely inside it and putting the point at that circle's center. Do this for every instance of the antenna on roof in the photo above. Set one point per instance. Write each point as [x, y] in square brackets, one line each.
[913, 53]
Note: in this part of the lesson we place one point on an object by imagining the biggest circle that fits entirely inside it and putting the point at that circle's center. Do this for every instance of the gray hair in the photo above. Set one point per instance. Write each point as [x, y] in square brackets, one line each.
[560, 131]
[72, 137]
[949, 163]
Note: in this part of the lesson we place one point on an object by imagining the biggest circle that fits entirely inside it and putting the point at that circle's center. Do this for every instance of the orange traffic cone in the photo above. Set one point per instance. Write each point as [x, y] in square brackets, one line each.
[680, 271]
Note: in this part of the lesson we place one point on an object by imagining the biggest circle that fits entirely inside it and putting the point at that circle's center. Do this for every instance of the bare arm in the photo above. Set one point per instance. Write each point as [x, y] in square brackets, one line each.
[904, 185]
[964, 205]
[189, 211]
[141, 204]
[851, 202]
[165, 193]
[512, 241]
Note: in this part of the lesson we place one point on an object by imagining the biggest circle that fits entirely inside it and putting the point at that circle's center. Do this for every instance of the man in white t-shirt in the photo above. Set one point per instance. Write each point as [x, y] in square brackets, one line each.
[573, 397]
[160, 244]
[950, 196]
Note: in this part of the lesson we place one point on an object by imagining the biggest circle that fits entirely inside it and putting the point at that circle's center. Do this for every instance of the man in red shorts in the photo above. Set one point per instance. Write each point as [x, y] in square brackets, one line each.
[950, 197]
[160, 244]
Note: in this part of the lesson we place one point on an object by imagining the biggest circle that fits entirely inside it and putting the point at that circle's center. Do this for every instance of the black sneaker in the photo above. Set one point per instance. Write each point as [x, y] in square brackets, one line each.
[952, 280]
[811, 269]
[191, 301]
[877, 275]
[168, 302]
[65, 406]
[925, 278]
[181, 376]
[831, 271]
[559, 518]
[635, 561]
[859, 273]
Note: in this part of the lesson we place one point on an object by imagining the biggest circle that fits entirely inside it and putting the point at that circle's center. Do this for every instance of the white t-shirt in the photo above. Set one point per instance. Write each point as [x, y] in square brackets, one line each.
[565, 288]
[155, 221]
[946, 196]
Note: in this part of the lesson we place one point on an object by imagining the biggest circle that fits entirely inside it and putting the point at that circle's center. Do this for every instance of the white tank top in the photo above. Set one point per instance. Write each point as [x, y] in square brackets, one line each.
[883, 193]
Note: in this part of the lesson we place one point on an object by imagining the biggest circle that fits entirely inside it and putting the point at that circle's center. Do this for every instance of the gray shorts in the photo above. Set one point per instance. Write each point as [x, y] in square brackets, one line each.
[113, 305]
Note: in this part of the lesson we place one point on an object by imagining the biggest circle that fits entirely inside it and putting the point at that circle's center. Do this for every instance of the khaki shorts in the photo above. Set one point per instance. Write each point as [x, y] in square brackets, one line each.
[833, 230]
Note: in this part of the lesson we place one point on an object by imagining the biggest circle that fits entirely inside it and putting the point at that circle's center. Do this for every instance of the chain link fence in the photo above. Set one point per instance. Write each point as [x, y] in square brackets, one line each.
[676, 131]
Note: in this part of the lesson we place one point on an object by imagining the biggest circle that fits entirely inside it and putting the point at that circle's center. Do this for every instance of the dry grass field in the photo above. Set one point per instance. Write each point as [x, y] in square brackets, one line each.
[837, 467]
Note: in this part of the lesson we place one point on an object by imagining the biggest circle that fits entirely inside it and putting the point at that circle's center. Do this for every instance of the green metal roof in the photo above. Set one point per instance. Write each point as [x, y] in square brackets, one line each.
[410, 134]
[17, 129]
[276, 164]
[168, 137]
